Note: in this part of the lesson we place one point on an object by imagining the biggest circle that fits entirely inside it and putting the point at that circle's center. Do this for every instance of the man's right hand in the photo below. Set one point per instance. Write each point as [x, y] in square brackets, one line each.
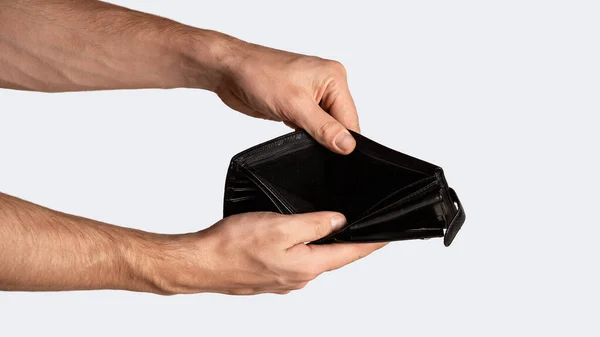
[255, 253]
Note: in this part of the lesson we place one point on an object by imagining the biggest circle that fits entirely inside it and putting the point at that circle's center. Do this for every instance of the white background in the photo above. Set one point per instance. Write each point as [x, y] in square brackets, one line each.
[504, 95]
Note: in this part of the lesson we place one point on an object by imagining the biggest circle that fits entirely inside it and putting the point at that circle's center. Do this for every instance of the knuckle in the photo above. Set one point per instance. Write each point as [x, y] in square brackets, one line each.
[267, 228]
[277, 228]
[328, 129]
[304, 272]
[309, 273]
[313, 274]
[281, 281]
[278, 231]
[337, 67]
[300, 286]
[269, 215]
[260, 220]
[320, 229]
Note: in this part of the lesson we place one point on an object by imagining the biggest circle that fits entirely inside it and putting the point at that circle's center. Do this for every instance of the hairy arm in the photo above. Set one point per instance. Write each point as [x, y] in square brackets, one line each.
[71, 45]
[41, 249]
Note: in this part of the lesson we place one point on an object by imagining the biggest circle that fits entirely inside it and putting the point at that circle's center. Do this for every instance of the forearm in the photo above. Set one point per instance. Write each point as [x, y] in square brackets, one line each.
[41, 249]
[70, 45]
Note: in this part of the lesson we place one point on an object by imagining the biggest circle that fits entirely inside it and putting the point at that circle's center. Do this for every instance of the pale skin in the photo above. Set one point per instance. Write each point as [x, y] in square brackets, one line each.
[79, 45]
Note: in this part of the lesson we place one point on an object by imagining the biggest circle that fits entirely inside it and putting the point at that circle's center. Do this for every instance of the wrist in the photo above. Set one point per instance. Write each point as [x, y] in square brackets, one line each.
[140, 261]
[168, 264]
[208, 58]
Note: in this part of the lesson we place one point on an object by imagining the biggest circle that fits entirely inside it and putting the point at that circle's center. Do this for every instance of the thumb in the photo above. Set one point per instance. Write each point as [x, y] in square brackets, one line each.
[309, 227]
[325, 129]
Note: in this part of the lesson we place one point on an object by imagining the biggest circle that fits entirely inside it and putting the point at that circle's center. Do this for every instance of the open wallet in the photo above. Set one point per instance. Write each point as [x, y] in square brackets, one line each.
[384, 194]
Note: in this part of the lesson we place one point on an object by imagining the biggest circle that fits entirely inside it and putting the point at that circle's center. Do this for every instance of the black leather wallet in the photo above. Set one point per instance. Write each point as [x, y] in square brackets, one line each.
[384, 194]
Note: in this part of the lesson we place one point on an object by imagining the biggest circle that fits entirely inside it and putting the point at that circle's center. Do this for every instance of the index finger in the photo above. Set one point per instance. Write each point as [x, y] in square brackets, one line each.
[340, 105]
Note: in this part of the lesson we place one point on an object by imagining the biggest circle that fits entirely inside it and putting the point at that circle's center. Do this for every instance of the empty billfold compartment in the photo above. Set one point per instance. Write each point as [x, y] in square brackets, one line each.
[385, 195]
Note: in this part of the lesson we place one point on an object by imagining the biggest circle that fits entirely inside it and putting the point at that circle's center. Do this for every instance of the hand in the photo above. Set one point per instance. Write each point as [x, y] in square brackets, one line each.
[108, 53]
[256, 253]
[301, 91]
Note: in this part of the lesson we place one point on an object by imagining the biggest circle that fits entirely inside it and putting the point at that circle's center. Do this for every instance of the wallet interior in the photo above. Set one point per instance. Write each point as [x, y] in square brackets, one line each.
[385, 195]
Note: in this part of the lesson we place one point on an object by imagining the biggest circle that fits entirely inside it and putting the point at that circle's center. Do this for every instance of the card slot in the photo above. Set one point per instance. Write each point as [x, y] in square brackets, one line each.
[396, 213]
[419, 220]
[241, 189]
[412, 196]
[247, 198]
[236, 194]
[238, 199]
[240, 181]
[388, 198]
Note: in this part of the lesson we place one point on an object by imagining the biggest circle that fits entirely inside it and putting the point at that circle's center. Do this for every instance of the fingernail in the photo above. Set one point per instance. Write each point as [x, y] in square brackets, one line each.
[344, 141]
[337, 222]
